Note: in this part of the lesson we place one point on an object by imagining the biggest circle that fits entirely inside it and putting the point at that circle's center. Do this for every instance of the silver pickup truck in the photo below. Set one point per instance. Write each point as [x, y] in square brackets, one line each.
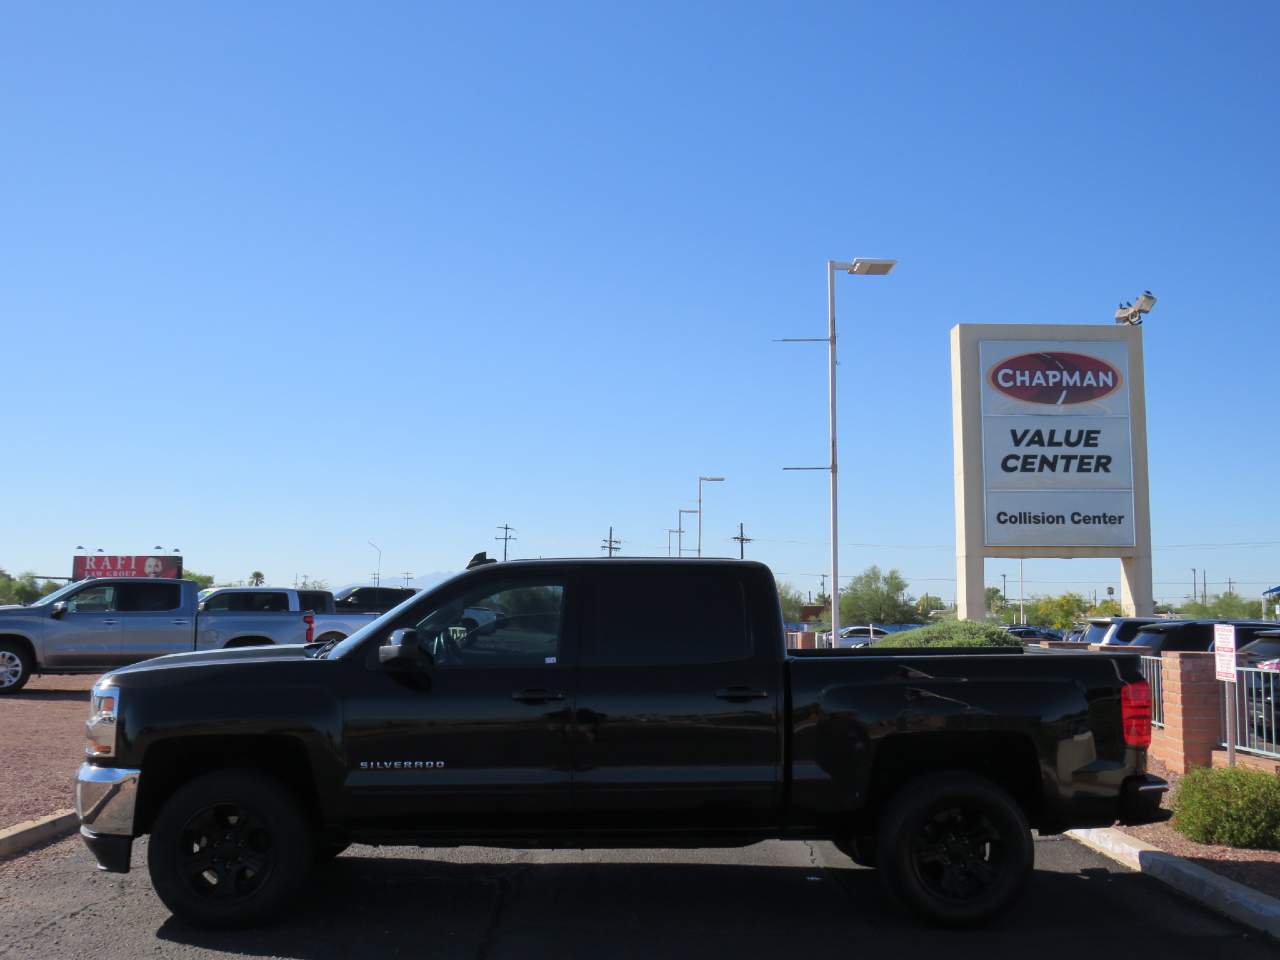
[328, 624]
[97, 625]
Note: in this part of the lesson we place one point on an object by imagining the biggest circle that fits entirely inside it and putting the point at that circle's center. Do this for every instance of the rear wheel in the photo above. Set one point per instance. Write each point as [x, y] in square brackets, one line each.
[15, 666]
[229, 849]
[955, 848]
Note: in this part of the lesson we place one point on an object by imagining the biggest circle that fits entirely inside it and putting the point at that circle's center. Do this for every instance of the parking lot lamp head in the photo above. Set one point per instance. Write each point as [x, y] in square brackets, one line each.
[867, 267]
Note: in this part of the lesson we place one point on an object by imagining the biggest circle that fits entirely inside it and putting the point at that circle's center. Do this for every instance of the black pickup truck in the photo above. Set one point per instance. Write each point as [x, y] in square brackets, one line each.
[610, 703]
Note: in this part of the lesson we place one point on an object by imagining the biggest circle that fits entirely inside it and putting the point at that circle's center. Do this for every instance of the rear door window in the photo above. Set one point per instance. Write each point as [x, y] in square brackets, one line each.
[659, 618]
[317, 601]
[1095, 633]
[148, 597]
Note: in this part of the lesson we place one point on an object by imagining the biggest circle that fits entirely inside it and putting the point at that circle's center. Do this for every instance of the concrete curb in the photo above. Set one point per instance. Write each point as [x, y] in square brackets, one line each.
[31, 833]
[1242, 904]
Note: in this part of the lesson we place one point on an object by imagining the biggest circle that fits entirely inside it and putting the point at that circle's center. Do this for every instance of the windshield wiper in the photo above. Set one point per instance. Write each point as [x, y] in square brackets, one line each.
[317, 650]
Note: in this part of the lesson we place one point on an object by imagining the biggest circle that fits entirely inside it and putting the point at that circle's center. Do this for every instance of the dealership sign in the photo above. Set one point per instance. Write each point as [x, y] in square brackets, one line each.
[1057, 451]
[98, 565]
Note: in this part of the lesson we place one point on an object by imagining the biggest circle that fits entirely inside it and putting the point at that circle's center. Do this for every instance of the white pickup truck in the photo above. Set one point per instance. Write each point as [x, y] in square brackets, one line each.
[92, 626]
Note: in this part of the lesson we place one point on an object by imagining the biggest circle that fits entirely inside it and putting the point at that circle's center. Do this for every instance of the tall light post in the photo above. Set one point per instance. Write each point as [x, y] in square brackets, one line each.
[859, 267]
[680, 531]
[669, 533]
[701, 481]
[377, 577]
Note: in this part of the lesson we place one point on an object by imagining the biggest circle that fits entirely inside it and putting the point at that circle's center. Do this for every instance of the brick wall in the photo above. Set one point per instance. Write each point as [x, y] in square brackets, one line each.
[1192, 721]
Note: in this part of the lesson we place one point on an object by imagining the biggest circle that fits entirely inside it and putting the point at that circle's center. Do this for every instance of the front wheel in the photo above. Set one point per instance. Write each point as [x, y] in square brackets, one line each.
[15, 666]
[955, 848]
[229, 849]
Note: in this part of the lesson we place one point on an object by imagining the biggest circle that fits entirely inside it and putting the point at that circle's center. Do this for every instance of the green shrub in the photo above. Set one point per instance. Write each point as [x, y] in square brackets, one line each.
[1238, 808]
[952, 633]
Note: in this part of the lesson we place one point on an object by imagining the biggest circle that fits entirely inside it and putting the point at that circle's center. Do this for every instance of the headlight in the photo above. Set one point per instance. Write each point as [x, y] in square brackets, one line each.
[104, 708]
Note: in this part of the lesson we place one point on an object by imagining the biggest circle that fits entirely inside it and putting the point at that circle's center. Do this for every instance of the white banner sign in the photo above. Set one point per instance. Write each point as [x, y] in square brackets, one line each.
[1056, 446]
[1224, 652]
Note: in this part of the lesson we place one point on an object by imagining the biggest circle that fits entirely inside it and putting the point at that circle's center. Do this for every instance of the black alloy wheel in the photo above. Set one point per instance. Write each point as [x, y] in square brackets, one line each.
[955, 848]
[229, 849]
[226, 852]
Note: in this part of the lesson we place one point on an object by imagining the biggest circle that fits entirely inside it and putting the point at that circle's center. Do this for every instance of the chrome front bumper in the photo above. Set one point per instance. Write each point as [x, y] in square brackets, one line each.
[105, 799]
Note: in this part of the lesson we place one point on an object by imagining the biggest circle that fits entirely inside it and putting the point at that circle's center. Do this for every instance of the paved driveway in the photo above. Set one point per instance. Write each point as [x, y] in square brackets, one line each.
[788, 901]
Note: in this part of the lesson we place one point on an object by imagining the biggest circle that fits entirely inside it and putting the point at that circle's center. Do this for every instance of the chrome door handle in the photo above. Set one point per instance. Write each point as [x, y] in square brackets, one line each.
[110, 623]
[180, 623]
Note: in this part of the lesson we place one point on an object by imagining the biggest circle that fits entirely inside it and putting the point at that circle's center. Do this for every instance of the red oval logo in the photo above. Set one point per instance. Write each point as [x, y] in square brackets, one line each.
[1055, 378]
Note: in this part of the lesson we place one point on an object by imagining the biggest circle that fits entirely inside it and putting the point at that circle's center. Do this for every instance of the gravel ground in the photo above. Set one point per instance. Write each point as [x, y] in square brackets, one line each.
[43, 743]
[1259, 869]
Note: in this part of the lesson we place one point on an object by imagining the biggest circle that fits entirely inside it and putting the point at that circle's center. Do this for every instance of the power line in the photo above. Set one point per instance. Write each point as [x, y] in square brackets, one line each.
[506, 538]
[609, 544]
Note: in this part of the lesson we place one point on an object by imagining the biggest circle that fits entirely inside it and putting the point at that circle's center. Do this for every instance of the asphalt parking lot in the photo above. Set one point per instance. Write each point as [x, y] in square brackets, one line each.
[774, 899]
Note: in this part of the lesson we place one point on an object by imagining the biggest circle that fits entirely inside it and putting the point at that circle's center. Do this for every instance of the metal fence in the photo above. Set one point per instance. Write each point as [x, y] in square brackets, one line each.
[1256, 692]
[1155, 678]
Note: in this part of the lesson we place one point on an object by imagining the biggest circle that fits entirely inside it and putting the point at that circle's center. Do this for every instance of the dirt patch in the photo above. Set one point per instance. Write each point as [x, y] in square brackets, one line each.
[43, 738]
[1259, 869]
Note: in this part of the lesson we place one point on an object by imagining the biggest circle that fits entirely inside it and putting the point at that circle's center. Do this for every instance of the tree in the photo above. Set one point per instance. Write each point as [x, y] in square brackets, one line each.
[926, 605]
[1107, 608]
[791, 600]
[1224, 606]
[257, 578]
[202, 580]
[995, 600]
[875, 597]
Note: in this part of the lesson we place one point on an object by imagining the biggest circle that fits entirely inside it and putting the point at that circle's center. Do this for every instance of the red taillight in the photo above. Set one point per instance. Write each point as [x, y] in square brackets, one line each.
[310, 621]
[1135, 713]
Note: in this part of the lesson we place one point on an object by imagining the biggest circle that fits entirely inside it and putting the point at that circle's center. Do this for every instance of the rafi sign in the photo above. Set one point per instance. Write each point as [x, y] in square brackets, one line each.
[1056, 444]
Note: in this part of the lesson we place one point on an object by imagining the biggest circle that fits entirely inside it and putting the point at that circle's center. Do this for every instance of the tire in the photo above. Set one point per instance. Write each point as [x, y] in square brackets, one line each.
[238, 828]
[955, 849]
[16, 664]
[860, 849]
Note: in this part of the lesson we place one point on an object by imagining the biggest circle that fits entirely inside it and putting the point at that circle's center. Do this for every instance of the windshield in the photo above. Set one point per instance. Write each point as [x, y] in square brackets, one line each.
[1095, 633]
[56, 595]
[359, 637]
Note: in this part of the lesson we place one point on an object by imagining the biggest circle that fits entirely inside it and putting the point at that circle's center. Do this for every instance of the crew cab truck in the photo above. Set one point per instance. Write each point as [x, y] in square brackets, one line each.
[95, 625]
[325, 622]
[613, 703]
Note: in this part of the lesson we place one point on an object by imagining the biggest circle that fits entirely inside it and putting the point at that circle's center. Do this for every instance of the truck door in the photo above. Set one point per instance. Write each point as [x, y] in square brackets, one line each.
[676, 720]
[478, 741]
[88, 633]
[152, 621]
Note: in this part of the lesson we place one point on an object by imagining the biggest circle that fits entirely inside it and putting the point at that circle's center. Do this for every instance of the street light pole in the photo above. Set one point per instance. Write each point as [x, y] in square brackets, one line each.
[701, 481]
[862, 267]
[680, 531]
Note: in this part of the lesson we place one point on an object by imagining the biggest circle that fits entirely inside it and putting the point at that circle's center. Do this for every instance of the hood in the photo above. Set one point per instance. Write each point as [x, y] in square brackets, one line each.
[218, 658]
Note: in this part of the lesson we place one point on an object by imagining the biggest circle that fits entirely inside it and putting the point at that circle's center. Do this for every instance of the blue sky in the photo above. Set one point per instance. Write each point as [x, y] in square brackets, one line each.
[276, 282]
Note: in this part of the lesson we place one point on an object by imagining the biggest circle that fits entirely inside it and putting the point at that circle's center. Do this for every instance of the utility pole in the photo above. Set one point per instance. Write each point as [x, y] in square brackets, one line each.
[743, 540]
[506, 538]
[1230, 582]
[406, 574]
[610, 545]
[822, 583]
[1004, 588]
[1204, 587]
[1195, 586]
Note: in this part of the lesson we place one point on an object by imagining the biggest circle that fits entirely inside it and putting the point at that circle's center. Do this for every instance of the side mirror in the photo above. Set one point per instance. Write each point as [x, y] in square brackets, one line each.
[200, 606]
[58, 610]
[401, 651]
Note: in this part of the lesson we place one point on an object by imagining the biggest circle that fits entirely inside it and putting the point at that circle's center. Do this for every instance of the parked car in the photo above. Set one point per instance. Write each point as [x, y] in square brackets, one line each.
[853, 637]
[1115, 630]
[1029, 632]
[1191, 635]
[328, 625]
[613, 703]
[99, 624]
[370, 599]
[1260, 692]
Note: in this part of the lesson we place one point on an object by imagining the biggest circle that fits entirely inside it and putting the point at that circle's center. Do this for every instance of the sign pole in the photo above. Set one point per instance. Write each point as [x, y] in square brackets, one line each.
[1224, 668]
